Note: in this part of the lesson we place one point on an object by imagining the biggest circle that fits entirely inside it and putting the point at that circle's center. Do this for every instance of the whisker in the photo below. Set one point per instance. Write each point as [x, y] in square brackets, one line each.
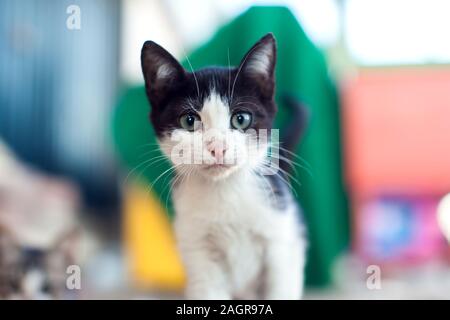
[148, 152]
[290, 176]
[246, 103]
[292, 154]
[171, 186]
[193, 73]
[188, 106]
[288, 162]
[156, 164]
[288, 184]
[269, 185]
[292, 164]
[239, 70]
[134, 169]
[159, 177]
[229, 77]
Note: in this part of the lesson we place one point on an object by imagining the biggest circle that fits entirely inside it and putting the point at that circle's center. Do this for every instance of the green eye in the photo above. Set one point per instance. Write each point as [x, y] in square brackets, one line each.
[190, 122]
[241, 120]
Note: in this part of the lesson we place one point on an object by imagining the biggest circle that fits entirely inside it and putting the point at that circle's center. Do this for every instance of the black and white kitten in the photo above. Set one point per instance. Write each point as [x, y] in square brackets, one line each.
[236, 224]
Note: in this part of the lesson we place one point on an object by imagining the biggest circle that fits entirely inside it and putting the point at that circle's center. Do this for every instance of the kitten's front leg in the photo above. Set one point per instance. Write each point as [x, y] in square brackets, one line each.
[206, 278]
[284, 272]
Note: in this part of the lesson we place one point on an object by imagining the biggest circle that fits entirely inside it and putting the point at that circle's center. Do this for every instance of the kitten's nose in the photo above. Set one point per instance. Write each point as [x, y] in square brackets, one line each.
[217, 150]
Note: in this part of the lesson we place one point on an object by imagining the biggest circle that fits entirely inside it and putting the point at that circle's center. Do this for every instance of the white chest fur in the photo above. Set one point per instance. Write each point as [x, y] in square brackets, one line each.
[226, 231]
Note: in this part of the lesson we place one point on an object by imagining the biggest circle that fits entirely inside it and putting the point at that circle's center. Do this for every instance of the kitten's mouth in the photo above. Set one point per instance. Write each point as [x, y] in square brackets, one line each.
[218, 166]
[217, 170]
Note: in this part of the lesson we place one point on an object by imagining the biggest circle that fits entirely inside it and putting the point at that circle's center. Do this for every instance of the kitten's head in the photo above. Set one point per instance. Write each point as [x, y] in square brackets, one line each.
[212, 121]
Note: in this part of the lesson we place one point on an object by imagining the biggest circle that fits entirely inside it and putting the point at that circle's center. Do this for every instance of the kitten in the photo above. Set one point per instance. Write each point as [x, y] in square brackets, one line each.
[236, 222]
[34, 272]
[40, 232]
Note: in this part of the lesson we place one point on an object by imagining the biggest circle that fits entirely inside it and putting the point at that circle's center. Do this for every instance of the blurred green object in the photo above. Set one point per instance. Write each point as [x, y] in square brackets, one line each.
[301, 71]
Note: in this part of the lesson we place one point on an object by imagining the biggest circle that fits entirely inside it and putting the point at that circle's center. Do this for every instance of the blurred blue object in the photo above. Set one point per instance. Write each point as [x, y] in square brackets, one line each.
[57, 89]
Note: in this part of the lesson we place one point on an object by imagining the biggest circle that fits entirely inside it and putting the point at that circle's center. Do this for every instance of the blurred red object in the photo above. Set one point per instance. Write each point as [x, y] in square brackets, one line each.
[397, 131]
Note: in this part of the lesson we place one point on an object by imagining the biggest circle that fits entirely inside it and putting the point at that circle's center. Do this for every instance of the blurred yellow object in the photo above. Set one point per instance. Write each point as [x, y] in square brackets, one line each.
[153, 257]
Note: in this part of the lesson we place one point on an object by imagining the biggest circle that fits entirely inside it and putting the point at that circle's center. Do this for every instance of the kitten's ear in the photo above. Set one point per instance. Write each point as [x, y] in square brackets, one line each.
[259, 64]
[161, 72]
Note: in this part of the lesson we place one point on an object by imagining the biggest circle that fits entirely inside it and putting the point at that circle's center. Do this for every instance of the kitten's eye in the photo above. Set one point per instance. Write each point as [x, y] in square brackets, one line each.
[190, 122]
[241, 120]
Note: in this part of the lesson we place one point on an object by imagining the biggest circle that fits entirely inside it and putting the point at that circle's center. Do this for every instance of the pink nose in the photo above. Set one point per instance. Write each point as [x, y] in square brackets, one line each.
[217, 150]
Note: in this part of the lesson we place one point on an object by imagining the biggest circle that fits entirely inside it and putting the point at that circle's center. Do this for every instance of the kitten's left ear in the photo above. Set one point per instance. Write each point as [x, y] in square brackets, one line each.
[258, 65]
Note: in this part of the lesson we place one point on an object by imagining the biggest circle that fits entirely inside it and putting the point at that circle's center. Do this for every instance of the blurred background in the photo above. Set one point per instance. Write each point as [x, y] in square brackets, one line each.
[79, 180]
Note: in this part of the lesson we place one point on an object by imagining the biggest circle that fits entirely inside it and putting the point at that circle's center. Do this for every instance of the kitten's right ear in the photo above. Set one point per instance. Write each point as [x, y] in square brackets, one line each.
[161, 72]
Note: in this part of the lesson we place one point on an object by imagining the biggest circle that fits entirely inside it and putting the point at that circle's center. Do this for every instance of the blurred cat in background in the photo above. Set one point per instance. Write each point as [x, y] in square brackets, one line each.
[34, 273]
[39, 234]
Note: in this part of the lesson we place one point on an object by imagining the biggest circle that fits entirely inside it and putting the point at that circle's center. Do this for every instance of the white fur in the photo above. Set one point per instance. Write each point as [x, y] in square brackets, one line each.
[228, 234]
[164, 71]
[215, 114]
[259, 62]
[231, 238]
